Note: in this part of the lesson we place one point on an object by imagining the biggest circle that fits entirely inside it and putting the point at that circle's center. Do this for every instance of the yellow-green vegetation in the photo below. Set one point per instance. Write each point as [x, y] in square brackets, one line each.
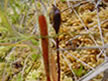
[20, 51]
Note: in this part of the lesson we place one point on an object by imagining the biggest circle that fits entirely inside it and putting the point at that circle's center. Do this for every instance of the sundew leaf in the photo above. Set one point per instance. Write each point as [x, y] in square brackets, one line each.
[44, 43]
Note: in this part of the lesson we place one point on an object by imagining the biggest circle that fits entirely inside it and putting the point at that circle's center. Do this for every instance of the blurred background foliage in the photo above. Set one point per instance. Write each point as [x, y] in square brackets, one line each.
[18, 40]
[20, 55]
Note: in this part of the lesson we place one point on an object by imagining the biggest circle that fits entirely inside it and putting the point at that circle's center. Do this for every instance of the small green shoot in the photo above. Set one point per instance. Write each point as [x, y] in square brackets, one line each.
[35, 56]
[79, 72]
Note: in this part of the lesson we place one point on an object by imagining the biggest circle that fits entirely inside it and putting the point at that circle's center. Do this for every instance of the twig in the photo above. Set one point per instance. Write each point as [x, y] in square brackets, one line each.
[25, 65]
[99, 26]
[61, 49]
[10, 53]
[85, 26]
[68, 3]
[86, 31]
[54, 2]
[76, 5]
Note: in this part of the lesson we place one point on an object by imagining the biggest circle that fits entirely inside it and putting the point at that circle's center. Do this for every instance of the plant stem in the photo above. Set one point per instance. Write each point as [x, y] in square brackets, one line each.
[58, 58]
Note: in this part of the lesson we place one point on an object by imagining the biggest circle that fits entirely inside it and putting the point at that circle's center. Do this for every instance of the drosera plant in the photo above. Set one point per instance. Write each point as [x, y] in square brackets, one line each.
[56, 20]
[44, 44]
[56, 25]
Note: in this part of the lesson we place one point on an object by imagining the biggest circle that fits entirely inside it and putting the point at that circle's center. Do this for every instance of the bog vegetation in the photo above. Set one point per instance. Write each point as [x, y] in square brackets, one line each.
[83, 40]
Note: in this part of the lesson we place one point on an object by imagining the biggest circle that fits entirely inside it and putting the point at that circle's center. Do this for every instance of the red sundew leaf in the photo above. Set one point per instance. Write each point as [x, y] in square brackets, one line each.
[44, 44]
